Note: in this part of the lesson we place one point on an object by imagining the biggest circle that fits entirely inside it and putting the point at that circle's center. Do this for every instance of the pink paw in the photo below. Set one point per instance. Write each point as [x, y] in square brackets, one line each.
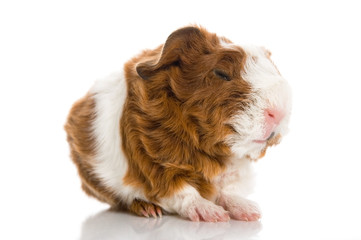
[240, 208]
[204, 210]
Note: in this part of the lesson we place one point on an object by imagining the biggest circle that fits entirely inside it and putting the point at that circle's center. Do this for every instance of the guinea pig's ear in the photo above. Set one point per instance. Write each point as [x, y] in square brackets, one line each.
[178, 43]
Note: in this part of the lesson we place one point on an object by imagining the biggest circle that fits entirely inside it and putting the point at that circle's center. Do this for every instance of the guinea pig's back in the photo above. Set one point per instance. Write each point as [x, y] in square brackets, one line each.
[93, 134]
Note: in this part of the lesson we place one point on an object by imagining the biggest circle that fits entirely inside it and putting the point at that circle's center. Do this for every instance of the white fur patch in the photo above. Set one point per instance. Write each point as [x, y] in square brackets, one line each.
[111, 163]
[227, 45]
[181, 200]
[238, 178]
[269, 90]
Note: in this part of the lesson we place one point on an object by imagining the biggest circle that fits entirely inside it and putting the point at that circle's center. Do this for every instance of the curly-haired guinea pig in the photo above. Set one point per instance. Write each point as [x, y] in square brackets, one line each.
[178, 129]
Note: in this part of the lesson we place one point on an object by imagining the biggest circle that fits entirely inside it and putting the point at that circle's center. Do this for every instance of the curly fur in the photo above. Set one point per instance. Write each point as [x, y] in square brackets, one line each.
[176, 128]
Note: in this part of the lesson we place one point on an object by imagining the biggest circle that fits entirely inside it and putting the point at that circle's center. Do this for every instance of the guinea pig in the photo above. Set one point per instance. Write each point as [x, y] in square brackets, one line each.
[177, 130]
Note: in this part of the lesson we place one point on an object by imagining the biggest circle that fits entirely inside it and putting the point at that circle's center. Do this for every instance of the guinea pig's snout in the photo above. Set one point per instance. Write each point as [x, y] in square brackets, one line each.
[273, 117]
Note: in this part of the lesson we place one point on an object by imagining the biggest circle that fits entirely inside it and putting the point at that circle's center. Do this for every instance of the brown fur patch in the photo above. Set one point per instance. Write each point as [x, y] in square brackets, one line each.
[174, 120]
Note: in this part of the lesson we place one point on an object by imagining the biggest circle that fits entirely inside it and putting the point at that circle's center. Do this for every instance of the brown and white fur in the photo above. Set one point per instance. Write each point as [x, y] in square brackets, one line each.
[177, 130]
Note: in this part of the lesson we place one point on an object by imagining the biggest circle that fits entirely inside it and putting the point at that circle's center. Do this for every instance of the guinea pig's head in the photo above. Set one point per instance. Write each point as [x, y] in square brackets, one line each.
[233, 95]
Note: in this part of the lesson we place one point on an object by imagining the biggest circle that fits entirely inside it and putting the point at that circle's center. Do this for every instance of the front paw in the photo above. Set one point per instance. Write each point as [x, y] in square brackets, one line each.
[204, 210]
[146, 209]
[240, 208]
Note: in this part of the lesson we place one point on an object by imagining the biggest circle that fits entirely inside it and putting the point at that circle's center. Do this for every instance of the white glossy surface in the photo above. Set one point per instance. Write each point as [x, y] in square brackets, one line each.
[50, 54]
[109, 225]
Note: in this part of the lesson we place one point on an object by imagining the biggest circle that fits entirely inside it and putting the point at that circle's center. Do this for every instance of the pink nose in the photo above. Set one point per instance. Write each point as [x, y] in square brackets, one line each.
[273, 117]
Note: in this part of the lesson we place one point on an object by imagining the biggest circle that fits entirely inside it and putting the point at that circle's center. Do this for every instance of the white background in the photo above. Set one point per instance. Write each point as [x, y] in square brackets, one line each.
[52, 51]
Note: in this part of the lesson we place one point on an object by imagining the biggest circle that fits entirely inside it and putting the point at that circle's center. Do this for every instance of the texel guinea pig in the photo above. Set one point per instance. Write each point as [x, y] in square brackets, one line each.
[178, 129]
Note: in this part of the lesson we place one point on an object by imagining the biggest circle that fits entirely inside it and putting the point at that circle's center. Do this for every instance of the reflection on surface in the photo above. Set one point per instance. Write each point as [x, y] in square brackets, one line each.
[115, 225]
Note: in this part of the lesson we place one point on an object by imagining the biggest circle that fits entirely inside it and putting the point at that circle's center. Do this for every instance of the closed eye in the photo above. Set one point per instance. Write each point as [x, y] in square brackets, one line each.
[222, 75]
